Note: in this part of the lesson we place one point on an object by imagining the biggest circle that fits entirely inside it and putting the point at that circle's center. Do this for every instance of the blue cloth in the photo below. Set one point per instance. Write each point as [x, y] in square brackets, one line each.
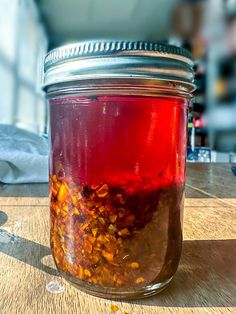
[23, 156]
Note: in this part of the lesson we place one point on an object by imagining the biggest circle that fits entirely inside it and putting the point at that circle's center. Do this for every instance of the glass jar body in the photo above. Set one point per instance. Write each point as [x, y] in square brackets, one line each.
[117, 176]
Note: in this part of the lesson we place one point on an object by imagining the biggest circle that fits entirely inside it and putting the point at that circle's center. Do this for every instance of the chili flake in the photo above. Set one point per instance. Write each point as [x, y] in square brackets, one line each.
[114, 239]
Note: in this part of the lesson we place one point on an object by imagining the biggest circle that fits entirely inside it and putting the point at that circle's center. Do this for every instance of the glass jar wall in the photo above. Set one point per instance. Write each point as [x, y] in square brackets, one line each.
[117, 176]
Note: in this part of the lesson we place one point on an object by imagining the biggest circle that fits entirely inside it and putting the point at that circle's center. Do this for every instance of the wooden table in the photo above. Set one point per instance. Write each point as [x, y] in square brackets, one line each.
[204, 282]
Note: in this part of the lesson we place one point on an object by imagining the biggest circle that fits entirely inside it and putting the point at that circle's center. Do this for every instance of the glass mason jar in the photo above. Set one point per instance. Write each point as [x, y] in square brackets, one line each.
[118, 122]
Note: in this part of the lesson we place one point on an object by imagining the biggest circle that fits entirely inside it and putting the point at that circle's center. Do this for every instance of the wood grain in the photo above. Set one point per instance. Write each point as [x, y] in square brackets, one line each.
[204, 282]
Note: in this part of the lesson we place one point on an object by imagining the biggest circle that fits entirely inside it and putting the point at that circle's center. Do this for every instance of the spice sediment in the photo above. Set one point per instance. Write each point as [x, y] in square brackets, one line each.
[115, 235]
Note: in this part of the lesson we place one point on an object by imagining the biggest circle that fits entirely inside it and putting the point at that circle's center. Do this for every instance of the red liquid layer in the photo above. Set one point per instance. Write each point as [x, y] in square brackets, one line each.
[111, 138]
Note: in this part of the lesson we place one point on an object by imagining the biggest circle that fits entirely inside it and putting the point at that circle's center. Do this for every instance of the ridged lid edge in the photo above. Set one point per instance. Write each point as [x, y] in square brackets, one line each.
[103, 47]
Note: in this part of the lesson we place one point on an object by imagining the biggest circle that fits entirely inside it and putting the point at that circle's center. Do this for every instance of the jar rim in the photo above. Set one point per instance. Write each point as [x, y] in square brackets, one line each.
[118, 59]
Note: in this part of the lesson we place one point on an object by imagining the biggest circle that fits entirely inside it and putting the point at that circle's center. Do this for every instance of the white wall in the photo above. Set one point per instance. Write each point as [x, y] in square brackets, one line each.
[23, 45]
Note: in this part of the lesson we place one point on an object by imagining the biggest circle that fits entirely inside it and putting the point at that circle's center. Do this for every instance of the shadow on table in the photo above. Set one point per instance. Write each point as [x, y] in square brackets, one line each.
[24, 190]
[205, 278]
[23, 249]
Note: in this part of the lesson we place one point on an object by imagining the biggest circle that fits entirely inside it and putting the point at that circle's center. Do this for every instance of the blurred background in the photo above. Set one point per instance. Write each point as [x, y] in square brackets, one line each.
[29, 28]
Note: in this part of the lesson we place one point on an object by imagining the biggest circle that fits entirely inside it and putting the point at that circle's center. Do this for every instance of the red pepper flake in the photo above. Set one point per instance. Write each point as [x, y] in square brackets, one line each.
[102, 228]
[139, 280]
[94, 231]
[114, 308]
[102, 191]
[88, 247]
[134, 265]
[108, 256]
[112, 228]
[124, 232]
[63, 193]
[102, 221]
[112, 218]
[87, 273]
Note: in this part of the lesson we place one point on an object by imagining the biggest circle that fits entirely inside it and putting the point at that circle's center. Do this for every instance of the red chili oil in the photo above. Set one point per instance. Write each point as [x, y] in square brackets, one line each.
[117, 179]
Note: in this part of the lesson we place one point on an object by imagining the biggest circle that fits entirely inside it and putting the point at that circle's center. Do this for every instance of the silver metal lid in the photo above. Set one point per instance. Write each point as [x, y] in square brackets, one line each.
[118, 59]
